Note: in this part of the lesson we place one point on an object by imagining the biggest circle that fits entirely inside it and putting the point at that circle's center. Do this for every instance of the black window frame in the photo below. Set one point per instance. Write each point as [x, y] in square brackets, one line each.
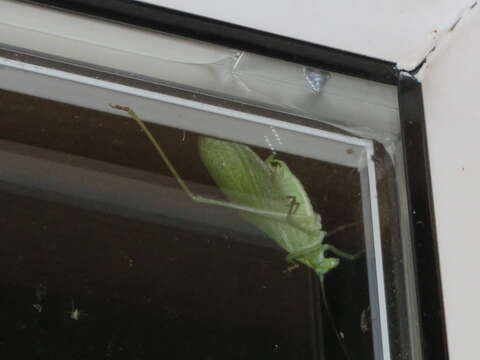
[412, 120]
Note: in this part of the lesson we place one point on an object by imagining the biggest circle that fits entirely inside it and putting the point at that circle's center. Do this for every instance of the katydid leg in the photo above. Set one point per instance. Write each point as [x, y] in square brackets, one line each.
[342, 254]
[343, 227]
[293, 220]
[317, 245]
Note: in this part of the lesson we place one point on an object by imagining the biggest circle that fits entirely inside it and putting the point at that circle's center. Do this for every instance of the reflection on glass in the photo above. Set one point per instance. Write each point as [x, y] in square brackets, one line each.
[104, 256]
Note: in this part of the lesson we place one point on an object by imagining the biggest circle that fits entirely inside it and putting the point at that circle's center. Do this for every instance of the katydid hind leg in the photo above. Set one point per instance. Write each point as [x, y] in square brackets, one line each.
[310, 228]
[157, 147]
[272, 215]
[174, 172]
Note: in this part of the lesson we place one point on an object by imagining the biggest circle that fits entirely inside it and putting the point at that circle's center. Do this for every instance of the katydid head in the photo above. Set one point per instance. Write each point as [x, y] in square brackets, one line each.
[326, 265]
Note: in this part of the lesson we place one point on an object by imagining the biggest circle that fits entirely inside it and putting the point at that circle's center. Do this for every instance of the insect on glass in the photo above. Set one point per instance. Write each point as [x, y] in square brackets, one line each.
[268, 195]
[265, 192]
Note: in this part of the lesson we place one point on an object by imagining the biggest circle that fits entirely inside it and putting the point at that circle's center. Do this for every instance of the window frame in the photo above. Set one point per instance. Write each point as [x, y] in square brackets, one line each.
[412, 122]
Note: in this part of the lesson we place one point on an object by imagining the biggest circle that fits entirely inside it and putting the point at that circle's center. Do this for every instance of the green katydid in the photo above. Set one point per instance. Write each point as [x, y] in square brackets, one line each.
[267, 194]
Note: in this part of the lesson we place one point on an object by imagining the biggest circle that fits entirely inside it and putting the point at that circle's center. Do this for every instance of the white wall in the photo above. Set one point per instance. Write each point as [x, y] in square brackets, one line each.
[452, 95]
[403, 32]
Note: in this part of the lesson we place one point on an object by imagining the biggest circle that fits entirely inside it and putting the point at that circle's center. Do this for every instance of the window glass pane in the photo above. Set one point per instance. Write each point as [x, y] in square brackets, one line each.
[279, 230]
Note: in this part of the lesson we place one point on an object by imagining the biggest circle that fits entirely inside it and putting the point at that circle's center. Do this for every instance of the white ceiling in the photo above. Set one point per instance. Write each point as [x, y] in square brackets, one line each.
[398, 31]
